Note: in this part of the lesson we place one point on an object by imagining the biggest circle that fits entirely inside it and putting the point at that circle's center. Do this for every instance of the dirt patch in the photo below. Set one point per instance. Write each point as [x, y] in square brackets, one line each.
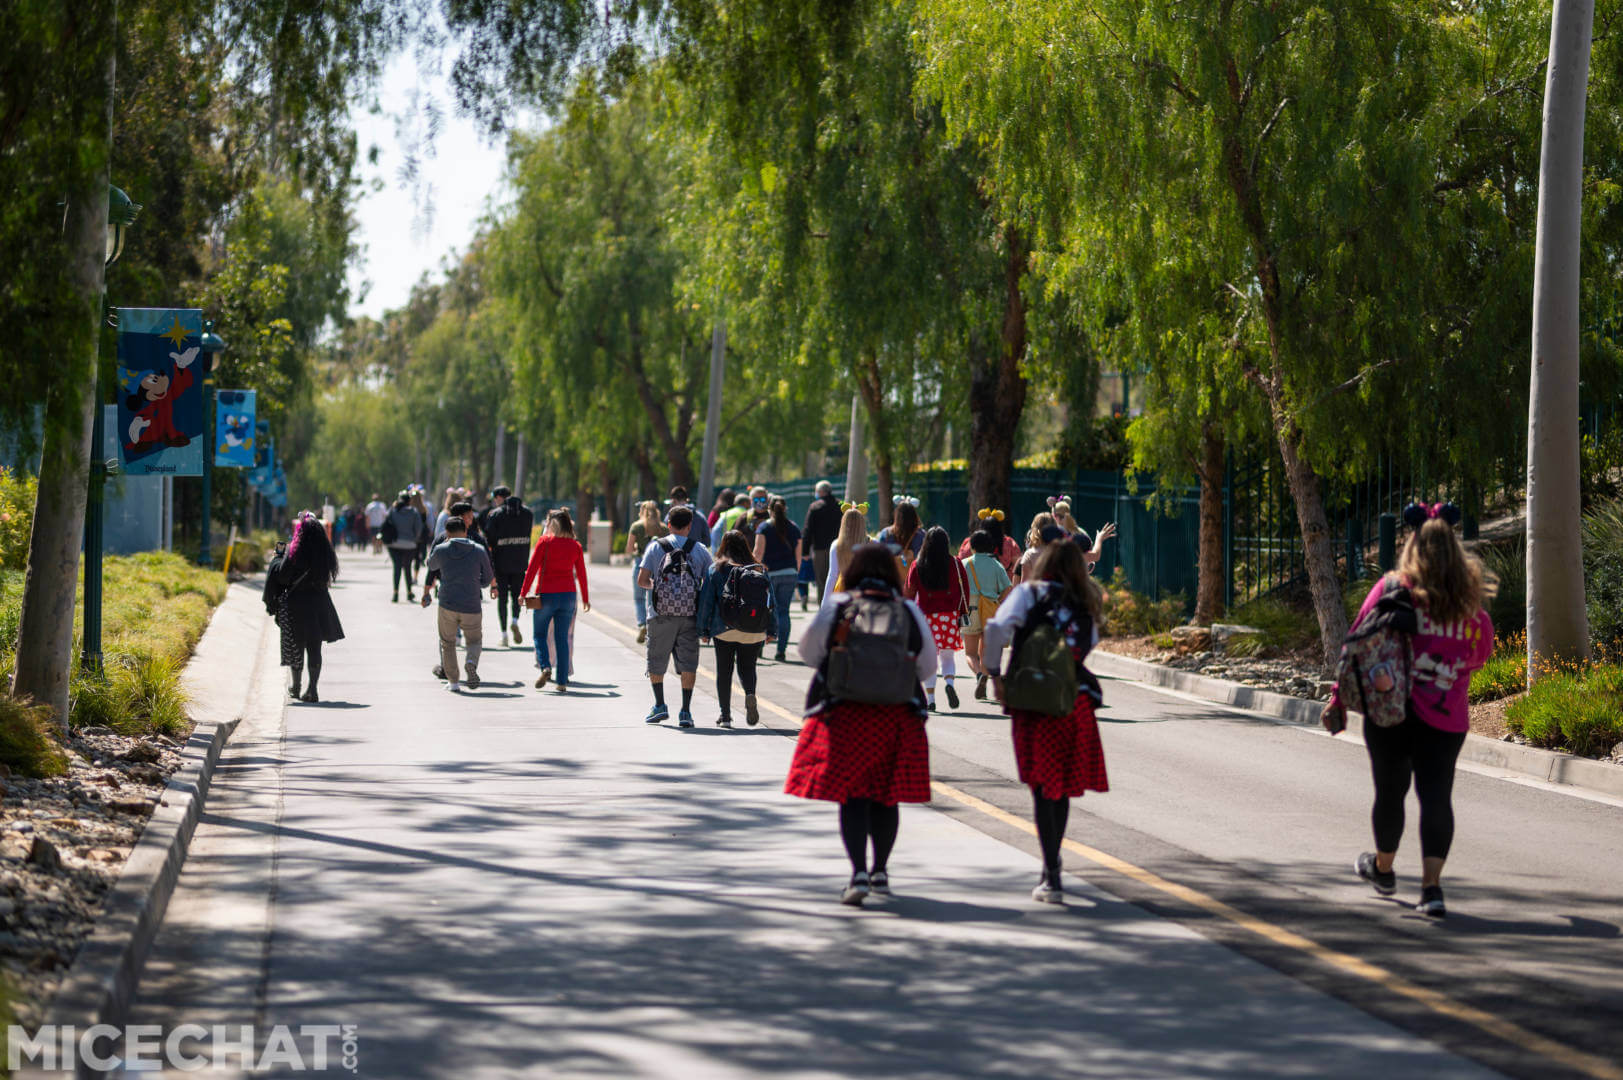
[1488, 718]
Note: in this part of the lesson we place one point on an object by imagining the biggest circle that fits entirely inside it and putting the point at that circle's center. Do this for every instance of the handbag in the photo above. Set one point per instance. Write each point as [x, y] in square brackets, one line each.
[533, 601]
[966, 618]
[985, 606]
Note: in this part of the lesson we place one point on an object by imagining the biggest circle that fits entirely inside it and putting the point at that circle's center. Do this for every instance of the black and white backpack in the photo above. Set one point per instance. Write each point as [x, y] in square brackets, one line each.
[676, 583]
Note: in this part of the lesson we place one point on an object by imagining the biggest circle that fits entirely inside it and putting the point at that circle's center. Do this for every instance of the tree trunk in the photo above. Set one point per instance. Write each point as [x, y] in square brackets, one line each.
[1209, 592]
[1557, 624]
[872, 389]
[608, 475]
[1318, 552]
[675, 451]
[997, 392]
[45, 629]
[584, 502]
[646, 480]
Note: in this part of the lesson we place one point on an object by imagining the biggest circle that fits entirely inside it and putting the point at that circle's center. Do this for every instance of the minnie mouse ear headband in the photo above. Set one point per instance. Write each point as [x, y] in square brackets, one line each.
[989, 514]
[1417, 514]
[1055, 500]
[844, 506]
[911, 500]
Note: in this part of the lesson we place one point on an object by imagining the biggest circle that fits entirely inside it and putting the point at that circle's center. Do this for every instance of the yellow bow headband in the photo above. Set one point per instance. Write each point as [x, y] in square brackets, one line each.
[996, 515]
[844, 506]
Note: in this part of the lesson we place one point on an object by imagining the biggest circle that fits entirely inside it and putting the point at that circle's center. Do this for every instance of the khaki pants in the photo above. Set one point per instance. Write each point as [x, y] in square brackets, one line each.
[472, 626]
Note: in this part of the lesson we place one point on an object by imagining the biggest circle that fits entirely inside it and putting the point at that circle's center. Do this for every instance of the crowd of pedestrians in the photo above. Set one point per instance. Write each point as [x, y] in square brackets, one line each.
[893, 612]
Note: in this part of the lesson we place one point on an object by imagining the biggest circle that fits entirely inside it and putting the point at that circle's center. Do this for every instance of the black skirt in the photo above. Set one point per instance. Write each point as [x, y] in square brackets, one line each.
[305, 616]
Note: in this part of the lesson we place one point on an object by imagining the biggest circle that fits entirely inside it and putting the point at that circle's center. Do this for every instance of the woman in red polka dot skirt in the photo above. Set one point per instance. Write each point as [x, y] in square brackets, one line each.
[1059, 755]
[868, 756]
[938, 583]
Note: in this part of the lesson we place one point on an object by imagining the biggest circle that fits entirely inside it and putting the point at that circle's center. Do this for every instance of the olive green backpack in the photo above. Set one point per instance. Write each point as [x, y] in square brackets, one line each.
[1042, 678]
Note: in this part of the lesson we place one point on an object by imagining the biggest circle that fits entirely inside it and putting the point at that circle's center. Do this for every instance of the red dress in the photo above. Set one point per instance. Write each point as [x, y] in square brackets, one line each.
[853, 751]
[941, 606]
[1060, 756]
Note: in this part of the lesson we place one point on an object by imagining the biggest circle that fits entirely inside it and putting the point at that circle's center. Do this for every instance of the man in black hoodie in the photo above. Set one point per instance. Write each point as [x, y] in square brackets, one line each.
[507, 534]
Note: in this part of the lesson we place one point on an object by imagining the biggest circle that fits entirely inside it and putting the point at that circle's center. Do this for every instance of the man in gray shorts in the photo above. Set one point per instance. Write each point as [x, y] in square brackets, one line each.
[673, 570]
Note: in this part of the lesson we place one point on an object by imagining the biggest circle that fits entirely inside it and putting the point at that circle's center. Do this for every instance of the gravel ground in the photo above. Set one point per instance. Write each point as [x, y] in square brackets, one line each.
[63, 843]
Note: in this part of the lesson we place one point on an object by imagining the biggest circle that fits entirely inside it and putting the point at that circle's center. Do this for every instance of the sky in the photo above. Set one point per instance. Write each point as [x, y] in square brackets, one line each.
[408, 225]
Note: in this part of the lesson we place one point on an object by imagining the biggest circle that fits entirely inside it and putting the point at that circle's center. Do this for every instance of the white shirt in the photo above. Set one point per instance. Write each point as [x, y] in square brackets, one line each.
[375, 513]
[814, 639]
[1010, 617]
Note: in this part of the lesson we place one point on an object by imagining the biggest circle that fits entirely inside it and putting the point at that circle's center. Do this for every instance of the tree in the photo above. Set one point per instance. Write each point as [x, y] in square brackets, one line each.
[1557, 622]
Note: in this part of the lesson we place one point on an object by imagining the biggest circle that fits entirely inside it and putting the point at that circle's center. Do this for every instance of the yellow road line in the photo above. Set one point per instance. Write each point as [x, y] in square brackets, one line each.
[1505, 1030]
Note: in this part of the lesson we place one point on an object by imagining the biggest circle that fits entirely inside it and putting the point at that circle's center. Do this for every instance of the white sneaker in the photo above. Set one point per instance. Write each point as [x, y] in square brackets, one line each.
[454, 687]
[504, 639]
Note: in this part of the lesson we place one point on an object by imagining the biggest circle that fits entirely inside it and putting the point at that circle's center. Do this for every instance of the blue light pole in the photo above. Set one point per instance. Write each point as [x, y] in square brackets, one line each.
[212, 346]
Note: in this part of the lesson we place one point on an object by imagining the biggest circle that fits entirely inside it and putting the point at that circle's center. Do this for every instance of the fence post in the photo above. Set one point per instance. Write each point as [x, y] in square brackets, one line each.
[1389, 542]
[1355, 550]
[1228, 532]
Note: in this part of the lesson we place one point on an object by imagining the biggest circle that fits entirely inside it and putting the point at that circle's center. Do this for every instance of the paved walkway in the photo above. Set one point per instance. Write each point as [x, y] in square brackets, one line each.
[513, 884]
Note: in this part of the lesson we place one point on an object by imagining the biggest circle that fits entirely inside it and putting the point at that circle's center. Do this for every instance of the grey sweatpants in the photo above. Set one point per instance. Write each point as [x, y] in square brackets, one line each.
[472, 625]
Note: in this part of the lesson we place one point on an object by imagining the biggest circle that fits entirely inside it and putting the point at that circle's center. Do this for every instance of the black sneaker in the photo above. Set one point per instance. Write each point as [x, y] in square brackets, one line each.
[473, 676]
[439, 672]
[1431, 902]
[311, 696]
[724, 721]
[952, 696]
[879, 883]
[931, 707]
[980, 688]
[1386, 884]
[752, 713]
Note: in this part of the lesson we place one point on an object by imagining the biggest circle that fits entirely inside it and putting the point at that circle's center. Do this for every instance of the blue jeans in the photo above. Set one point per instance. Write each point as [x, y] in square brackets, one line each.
[784, 583]
[557, 608]
[639, 595]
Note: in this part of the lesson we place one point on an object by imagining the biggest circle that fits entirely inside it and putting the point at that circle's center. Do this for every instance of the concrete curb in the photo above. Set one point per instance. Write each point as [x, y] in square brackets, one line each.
[100, 986]
[1551, 766]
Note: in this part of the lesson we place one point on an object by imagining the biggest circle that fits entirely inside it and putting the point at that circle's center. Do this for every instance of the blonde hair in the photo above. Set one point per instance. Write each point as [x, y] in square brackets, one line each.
[649, 513]
[1038, 524]
[853, 531]
[1444, 578]
[1063, 518]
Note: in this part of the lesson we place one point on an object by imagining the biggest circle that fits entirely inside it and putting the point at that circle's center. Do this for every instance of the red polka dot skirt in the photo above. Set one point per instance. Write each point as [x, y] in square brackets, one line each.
[944, 630]
[853, 751]
[1061, 756]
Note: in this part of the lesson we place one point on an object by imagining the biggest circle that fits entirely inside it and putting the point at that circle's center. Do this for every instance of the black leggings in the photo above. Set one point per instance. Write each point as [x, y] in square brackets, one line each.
[1414, 748]
[402, 557]
[862, 818]
[1051, 815]
[312, 659]
[508, 585]
[728, 654]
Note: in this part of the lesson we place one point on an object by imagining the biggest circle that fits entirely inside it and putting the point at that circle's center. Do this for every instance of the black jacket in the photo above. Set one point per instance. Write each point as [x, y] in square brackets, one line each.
[822, 526]
[507, 535]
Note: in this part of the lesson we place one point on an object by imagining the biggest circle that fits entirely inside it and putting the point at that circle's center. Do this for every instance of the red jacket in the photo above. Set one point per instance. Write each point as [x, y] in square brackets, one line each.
[936, 601]
[565, 563]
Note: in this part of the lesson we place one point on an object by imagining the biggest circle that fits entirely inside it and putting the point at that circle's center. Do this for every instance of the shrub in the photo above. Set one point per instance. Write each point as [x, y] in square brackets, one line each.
[16, 518]
[1284, 626]
[1507, 565]
[1603, 571]
[1579, 710]
[1505, 673]
[27, 739]
[1132, 614]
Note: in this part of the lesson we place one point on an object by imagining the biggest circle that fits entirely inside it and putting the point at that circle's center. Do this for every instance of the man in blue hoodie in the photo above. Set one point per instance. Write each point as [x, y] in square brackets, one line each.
[464, 572]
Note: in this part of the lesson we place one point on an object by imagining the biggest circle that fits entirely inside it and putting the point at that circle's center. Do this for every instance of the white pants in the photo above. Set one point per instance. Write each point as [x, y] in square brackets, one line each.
[949, 666]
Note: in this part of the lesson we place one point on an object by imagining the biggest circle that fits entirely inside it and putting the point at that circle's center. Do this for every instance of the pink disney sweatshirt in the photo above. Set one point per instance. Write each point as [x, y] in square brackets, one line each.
[1444, 657]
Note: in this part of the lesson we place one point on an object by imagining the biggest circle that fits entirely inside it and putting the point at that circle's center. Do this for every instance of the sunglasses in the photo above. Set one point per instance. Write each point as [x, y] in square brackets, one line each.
[760, 501]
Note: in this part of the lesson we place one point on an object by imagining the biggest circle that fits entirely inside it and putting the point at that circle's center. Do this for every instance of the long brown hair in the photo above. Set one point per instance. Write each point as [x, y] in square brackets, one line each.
[871, 561]
[734, 550]
[1443, 577]
[780, 519]
[1066, 566]
[566, 524]
[1038, 524]
[904, 524]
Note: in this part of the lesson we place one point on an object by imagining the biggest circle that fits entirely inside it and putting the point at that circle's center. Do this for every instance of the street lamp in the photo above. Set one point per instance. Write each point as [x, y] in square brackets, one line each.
[121, 211]
[212, 345]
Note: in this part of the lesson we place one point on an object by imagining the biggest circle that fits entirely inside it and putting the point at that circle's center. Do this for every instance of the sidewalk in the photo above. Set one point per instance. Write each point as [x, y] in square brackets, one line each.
[513, 884]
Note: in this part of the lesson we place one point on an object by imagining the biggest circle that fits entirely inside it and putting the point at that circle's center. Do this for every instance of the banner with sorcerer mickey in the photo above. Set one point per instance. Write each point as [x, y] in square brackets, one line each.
[160, 391]
[235, 428]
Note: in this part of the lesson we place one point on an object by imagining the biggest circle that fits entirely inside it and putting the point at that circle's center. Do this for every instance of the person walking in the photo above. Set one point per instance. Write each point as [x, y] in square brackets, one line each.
[1453, 636]
[698, 528]
[938, 583]
[821, 528]
[644, 531]
[1006, 550]
[853, 533]
[674, 569]
[376, 513]
[729, 518]
[863, 743]
[464, 573]
[400, 530]
[988, 584]
[557, 566]
[1043, 523]
[736, 611]
[777, 547]
[905, 533]
[507, 533]
[419, 504]
[724, 502]
[1051, 622]
[297, 595]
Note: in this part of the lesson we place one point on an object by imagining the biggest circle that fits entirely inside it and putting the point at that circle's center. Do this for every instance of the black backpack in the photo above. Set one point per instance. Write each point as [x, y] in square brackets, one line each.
[744, 600]
[390, 532]
[871, 652]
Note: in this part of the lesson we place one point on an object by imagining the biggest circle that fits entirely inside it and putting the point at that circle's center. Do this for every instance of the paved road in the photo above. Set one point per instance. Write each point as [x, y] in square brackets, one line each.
[508, 884]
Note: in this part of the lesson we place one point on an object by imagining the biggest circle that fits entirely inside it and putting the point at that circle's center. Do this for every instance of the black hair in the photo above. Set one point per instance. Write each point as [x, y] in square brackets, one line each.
[454, 524]
[935, 561]
[982, 542]
[779, 510]
[995, 528]
[871, 562]
[501, 491]
[681, 517]
[314, 551]
[735, 550]
[463, 507]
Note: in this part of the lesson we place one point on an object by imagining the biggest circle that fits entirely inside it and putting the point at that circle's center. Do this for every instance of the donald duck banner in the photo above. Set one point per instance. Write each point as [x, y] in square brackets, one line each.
[234, 428]
[160, 391]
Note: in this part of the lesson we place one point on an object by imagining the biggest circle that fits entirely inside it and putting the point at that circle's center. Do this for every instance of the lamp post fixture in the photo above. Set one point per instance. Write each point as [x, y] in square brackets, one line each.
[121, 212]
[212, 345]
